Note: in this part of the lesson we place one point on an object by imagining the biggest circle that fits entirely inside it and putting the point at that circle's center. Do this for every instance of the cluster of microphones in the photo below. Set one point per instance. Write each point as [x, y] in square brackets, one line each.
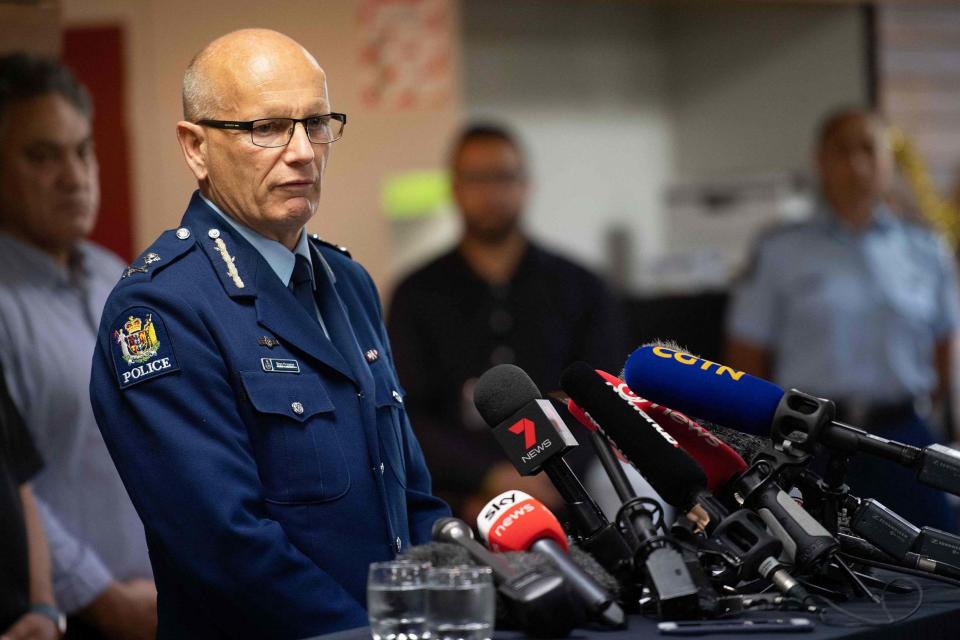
[759, 525]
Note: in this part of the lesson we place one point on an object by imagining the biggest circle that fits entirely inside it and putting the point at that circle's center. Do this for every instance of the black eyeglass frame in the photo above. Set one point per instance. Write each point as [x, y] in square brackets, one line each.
[248, 125]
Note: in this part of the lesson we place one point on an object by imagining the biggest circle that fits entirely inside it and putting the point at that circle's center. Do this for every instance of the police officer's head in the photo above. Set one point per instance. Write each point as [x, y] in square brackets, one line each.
[263, 177]
[854, 160]
[49, 189]
[490, 182]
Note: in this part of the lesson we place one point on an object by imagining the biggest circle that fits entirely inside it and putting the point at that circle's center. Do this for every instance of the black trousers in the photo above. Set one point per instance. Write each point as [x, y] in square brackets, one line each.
[80, 630]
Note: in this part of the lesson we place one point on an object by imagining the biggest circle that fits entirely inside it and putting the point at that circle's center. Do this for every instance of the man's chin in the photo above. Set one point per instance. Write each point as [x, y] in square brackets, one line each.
[493, 235]
[298, 208]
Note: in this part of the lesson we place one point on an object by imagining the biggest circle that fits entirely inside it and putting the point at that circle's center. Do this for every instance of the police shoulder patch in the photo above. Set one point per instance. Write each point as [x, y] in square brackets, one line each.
[141, 348]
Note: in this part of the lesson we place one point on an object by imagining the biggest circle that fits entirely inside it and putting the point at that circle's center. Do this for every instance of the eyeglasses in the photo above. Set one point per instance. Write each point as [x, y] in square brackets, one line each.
[490, 178]
[277, 132]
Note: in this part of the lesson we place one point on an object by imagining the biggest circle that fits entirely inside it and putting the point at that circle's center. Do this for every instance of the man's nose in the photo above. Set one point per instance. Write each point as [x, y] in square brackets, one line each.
[74, 172]
[862, 164]
[299, 150]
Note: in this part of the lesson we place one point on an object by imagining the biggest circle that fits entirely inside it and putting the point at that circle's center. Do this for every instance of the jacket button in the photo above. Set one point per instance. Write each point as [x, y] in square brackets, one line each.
[297, 408]
[381, 468]
[398, 544]
[397, 397]
[183, 233]
[214, 234]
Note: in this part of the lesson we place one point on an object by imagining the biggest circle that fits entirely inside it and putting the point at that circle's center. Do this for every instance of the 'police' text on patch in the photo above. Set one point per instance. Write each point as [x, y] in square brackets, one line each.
[141, 347]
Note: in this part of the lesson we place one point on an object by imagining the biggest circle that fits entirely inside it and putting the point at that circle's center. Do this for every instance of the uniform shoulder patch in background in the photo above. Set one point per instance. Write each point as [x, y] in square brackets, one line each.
[141, 348]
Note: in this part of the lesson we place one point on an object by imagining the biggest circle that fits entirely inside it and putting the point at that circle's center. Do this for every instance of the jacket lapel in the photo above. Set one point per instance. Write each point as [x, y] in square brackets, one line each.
[251, 277]
[279, 311]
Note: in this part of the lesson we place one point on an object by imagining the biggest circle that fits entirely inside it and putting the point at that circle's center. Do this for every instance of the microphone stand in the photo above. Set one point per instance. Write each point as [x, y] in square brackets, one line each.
[640, 526]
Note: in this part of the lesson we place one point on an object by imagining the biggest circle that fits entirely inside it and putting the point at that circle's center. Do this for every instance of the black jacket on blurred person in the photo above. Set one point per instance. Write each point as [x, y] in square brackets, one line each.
[448, 326]
[19, 462]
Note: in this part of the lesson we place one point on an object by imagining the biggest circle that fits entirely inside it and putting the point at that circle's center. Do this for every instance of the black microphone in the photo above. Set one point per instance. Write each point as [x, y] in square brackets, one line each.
[678, 584]
[534, 438]
[538, 597]
[655, 453]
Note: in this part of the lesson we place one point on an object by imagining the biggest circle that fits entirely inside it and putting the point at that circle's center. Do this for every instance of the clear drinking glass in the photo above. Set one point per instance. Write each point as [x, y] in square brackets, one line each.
[460, 603]
[396, 600]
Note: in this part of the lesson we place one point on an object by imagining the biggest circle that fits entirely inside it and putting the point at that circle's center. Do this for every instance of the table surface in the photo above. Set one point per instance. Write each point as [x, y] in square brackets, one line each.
[938, 618]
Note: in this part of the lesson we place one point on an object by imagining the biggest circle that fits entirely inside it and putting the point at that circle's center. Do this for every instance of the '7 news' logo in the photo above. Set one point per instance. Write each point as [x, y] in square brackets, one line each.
[527, 427]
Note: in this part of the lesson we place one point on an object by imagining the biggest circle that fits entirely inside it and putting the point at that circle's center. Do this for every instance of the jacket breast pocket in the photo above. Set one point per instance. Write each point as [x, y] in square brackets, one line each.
[390, 420]
[295, 438]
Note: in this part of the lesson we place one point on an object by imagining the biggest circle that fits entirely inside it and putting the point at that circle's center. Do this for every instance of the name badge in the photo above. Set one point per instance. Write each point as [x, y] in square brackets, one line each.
[278, 365]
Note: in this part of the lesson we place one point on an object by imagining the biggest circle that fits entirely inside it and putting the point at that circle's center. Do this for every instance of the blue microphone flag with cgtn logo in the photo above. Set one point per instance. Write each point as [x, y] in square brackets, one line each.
[703, 388]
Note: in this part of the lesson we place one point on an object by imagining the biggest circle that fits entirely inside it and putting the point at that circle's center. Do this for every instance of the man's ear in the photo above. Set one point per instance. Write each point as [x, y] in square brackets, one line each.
[193, 143]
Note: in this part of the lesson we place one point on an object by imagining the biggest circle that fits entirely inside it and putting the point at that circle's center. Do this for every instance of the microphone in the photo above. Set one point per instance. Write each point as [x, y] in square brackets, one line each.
[534, 438]
[680, 481]
[666, 567]
[657, 455]
[538, 597]
[901, 539]
[703, 388]
[515, 521]
[736, 399]
[616, 411]
[719, 461]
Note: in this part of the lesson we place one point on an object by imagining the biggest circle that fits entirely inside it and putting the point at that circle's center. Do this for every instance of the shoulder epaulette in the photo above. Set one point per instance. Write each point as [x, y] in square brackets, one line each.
[335, 247]
[164, 251]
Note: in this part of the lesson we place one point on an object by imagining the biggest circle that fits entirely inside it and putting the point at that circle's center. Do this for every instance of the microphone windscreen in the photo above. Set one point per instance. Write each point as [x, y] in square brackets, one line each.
[703, 389]
[438, 554]
[595, 570]
[656, 454]
[746, 445]
[501, 391]
[719, 461]
[447, 554]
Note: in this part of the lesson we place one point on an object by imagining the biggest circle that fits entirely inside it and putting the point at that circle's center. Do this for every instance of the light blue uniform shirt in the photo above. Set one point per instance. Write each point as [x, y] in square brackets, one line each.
[49, 316]
[847, 315]
[280, 259]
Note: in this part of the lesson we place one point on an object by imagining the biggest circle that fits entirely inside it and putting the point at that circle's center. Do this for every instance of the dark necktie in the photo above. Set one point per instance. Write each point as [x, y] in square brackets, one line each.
[301, 284]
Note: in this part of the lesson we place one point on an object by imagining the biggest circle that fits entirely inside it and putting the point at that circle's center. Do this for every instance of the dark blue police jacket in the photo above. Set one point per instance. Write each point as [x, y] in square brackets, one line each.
[270, 464]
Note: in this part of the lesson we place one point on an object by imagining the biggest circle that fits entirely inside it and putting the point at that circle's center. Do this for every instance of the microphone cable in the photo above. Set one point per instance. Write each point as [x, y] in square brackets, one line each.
[858, 620]
[898, 569]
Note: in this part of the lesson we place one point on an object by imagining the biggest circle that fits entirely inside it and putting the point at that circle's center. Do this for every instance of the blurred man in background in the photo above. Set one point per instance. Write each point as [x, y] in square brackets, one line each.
[858, 306]
[53, 285]
[496, 298]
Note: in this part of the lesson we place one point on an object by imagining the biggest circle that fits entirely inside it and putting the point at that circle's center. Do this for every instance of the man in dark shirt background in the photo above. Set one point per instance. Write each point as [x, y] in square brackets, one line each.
[496, 298]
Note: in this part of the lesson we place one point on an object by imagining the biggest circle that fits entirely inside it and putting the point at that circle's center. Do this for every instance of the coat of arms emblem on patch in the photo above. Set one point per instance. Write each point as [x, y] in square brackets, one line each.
[137, 339]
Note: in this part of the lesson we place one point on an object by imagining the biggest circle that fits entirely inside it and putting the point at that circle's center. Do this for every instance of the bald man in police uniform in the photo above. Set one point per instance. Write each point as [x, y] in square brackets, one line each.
[859, 306]
[243, 380]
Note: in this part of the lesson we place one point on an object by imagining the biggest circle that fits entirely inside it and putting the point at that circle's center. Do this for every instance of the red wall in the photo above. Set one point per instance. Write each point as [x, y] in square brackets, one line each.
[96, 55]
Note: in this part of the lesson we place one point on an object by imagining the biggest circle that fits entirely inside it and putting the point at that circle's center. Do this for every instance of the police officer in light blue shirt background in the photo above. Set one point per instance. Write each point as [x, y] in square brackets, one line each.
[243, 380]
[856, 305]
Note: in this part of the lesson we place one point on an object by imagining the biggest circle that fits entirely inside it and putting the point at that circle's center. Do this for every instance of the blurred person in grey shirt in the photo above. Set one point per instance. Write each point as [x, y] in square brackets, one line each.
[53, 285]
